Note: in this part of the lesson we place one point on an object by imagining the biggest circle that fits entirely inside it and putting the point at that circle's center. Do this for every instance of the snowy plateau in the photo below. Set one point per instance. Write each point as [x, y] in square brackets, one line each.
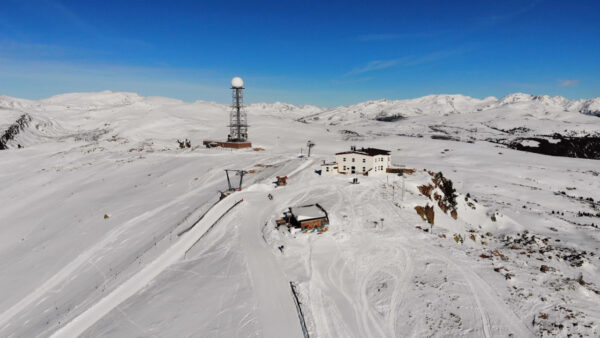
[109, 229]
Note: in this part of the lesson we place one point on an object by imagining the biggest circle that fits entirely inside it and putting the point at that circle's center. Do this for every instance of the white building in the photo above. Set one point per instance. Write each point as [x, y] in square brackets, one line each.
[362, 161]
[329, 168]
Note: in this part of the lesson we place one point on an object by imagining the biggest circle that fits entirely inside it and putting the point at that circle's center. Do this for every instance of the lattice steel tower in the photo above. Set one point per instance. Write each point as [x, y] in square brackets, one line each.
[238, 125]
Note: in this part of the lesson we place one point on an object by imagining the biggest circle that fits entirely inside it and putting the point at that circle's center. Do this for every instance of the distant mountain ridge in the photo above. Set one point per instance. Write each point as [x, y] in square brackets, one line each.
[444, 105]
[96, 114]
[439, 104]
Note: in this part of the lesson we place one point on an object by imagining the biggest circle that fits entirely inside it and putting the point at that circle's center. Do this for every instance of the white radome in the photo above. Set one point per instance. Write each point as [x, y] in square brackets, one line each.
[237, 82]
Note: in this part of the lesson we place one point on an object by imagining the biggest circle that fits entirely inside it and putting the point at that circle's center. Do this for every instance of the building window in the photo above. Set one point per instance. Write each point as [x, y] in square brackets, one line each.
[380, 167]
[364, 160]
[353, 159]
[344, 167]
[364, 169]
[326, 168]
[344, 159]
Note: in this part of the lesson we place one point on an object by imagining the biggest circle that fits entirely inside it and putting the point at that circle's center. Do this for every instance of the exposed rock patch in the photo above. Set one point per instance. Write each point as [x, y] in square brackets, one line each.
[559, 145]
[14, 130]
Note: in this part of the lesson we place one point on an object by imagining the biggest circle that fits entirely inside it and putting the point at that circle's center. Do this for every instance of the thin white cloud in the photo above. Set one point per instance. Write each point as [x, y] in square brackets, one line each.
[375, 65]
[406, 61]
[395, 36]
[569, 83]
[505, 17]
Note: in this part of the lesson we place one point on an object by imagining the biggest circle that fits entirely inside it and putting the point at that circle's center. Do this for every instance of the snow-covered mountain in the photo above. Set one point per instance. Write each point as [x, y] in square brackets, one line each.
[513, 120]
[445, 105]
[108, 228]
[283, 109]
[590, 107]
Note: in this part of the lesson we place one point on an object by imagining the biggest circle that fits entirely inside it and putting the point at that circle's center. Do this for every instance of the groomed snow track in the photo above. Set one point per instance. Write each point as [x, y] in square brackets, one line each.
[138, 281]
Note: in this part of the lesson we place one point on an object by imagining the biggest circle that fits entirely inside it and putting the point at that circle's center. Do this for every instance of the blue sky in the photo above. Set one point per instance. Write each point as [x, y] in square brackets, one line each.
[326, 53]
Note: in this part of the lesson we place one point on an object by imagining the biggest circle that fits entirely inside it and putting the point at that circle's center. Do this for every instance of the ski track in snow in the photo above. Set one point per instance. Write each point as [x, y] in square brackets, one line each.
[83, 258]
[138, 281]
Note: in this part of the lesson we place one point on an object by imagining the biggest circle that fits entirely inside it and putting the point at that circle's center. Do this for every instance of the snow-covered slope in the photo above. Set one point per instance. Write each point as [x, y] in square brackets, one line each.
[102, 233]
[283, 109]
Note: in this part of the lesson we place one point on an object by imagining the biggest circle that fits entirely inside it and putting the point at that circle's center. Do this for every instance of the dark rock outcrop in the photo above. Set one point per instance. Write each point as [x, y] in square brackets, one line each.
[390, 118]
[568, 146]
[14, 130]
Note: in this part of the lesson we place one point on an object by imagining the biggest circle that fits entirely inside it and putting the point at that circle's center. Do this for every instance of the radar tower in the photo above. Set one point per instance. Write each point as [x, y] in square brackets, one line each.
[238, 125]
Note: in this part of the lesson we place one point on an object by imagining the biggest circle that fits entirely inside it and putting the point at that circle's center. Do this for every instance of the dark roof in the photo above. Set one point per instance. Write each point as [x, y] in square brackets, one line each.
[366, 151]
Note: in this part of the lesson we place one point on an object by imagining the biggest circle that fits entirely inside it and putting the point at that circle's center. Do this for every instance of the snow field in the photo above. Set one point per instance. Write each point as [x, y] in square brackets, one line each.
[89, 155]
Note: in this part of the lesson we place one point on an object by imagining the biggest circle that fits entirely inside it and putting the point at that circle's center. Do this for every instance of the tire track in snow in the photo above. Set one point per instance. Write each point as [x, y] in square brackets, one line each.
[485, 322]
[361, 308]
[477, 287]
[353, 294]
[398, 294]
[401, 276]
[327, 285]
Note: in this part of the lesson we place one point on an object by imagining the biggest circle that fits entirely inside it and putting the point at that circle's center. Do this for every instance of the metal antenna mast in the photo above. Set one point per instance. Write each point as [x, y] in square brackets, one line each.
[238, 126]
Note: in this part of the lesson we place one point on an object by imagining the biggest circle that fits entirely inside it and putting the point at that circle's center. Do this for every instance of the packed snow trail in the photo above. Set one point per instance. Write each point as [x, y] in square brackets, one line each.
[276, 309]
[138, 281]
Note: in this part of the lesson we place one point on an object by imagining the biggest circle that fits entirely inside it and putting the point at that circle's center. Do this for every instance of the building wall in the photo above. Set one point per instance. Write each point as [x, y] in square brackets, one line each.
[380, 164]
[315, 223]
[328, 169]
[345, 162]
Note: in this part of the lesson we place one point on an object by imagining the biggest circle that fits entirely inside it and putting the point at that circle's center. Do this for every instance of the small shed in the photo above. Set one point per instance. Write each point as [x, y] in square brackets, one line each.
[281, 181]
[308, 217]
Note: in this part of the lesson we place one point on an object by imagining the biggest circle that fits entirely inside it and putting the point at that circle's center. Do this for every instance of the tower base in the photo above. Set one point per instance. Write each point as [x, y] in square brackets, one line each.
[234, 145]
